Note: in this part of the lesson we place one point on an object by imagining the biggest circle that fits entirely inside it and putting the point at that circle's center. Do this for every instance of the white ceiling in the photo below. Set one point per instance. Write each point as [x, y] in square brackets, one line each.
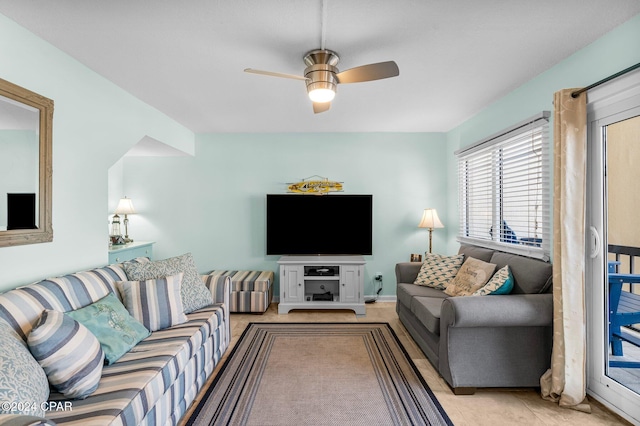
[186, 57]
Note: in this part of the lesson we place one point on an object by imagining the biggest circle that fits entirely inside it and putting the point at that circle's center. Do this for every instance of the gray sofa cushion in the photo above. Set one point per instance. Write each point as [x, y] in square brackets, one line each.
[406, 291]
[530, 276]
[427, 310]
[480, 253]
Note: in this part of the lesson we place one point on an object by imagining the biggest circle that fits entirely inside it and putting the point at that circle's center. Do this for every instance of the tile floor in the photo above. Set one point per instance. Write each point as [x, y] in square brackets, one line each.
[489, 407]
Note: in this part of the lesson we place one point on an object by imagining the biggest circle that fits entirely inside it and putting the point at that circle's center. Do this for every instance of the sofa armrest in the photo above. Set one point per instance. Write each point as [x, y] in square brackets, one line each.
[23, 420]
[406, 272]
[509, 310]
[220, 287]
[495, 341]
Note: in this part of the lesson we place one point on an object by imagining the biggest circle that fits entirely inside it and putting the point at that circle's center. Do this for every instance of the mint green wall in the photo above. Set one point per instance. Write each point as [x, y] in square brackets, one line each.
[94, 124]
[214, 204]
[221, 190]
[613, 52]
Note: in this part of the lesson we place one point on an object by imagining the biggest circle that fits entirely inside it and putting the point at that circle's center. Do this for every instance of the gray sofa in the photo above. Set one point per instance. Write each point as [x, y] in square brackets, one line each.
[483, 341]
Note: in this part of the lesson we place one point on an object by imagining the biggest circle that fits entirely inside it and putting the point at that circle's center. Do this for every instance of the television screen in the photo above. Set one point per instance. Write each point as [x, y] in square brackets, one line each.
[319, 224]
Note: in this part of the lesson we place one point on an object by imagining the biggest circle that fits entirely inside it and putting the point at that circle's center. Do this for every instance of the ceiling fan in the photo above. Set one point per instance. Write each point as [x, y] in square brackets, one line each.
[322, 76]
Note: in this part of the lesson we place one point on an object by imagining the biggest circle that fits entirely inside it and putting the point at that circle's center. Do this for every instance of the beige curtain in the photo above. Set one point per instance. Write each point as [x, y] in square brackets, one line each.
[565, 381]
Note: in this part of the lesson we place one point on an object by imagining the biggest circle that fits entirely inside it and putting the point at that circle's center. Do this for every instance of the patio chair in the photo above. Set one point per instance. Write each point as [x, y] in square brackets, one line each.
[624, 310]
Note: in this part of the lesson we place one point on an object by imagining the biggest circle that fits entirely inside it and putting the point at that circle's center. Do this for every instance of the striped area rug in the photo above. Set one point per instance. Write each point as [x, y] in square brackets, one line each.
[319, 374]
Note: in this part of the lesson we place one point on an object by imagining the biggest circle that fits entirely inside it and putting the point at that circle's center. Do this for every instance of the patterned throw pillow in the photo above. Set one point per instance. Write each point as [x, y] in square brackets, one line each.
[193, 292]
[68, 353]
[109, 321]
[474, 274]
[21, 378]
[155, 303]
[500, 283]
[437, 270]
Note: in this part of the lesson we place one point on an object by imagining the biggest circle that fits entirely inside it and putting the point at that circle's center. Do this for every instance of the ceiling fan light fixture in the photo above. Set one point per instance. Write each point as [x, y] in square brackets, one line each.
[321, 80]
[321, 95]
[322, 76]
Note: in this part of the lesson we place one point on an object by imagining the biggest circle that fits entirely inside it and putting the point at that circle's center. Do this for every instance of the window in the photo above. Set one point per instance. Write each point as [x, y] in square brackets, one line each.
[505, 190]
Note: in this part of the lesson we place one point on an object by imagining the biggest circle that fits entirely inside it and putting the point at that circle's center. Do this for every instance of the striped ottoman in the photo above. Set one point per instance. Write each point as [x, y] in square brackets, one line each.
[251, 291]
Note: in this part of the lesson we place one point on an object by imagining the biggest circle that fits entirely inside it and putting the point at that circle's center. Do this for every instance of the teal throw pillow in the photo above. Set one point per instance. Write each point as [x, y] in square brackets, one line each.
[69, 354]
[500, 283]
[437, 270]
[109, 321]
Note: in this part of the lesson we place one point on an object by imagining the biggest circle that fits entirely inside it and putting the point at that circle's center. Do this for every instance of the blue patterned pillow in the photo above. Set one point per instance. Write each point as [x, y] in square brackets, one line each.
[21, 378]
[109, 321]
[500, 283]
[68, 353]
[437, 270]
[155, 303]
[193, 292]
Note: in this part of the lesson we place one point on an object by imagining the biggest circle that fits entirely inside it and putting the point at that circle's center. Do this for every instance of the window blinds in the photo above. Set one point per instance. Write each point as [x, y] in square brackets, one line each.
[505, 190]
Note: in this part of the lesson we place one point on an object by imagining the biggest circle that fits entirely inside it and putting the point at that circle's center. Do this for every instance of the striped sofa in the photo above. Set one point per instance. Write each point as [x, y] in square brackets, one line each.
[251, 291]
[156, 381]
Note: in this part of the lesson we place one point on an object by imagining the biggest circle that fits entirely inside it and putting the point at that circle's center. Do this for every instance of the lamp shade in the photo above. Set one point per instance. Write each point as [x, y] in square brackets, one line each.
[125, 206]
[430, 219]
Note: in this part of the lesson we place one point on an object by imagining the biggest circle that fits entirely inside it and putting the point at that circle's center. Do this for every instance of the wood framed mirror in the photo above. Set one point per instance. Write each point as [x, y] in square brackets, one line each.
[26, 120]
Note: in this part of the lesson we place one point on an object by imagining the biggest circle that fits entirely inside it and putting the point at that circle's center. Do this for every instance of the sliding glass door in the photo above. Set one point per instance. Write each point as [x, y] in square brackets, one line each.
[613, 246]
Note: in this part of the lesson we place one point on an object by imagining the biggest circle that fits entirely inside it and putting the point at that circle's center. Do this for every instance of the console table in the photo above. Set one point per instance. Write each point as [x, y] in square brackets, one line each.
[125, 252]
[321, 282]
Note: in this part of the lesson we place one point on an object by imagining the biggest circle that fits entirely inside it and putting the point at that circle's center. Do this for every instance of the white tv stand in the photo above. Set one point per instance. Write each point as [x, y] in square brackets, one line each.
[321, 282]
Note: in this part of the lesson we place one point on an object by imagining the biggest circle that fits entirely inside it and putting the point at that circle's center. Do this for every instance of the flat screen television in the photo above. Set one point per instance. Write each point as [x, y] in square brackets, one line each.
[319, 224]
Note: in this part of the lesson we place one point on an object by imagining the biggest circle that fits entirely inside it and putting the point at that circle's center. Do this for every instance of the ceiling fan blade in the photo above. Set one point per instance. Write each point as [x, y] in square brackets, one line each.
[275, 74]
[369, 72]
[321, 107]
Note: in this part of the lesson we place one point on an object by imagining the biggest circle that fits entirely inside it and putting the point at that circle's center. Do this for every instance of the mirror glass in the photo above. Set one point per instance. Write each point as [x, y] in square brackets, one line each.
[25, 166]
[19, 156]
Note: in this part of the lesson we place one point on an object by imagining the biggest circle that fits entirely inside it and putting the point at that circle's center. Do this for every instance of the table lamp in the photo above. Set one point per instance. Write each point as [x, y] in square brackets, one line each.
[125, 207]
[430, 220]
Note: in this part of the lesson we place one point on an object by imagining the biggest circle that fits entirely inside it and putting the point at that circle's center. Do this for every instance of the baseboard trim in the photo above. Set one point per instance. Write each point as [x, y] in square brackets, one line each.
[391, 298]
[382, 298]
